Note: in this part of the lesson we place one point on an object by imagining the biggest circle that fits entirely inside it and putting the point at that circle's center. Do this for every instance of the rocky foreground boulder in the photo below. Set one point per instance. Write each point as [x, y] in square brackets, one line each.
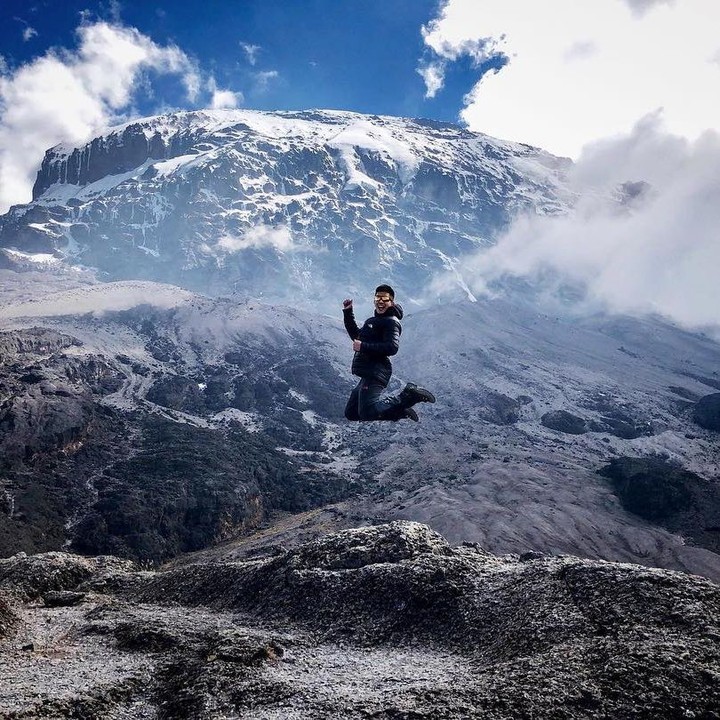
[383, 622]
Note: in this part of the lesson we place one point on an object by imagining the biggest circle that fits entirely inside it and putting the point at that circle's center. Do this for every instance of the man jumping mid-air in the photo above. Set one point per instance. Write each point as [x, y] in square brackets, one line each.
[373, 343]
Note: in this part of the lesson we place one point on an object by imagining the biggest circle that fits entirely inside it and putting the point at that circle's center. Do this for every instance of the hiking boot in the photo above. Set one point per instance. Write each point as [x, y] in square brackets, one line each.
[411, 394]
[410, 414]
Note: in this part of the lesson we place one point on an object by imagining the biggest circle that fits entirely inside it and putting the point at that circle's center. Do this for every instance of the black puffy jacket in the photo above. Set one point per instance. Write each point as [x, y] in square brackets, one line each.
[380, 338]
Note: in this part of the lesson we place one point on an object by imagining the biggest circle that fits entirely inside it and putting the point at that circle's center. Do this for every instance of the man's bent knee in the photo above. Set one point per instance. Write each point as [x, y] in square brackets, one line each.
[367, 414]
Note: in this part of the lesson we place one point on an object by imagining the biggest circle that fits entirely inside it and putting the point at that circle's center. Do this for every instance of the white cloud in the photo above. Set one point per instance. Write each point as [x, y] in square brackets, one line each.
[259, 236]
[98, 299]
[629, 88]
[221, 99]
[580, 50]
[262, 79]
[225, 99]
[448, 42]
[251, 52]
[29, 33]
[639, 55]
[434, 76]
[640, 7]
[66, 97]
[659, 253]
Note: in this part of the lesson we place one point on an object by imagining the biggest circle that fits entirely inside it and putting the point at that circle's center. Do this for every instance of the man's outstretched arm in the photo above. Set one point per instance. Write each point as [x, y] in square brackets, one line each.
[349, 319]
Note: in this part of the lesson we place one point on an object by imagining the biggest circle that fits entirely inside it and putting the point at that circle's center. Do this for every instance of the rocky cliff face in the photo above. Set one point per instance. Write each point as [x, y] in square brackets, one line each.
[279, 204]
[387, 621]
[116, 153]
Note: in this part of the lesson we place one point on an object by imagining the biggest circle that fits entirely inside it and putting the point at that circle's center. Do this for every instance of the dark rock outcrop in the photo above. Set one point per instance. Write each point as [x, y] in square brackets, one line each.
[496, 407]
[185, 488]
[622, 425]
[664, 493]
[113, 154]
[30, 577]
[63, 598]
[616, 417]
[38, 422]
[386, 622]
[707, 412]
[178, 393]
[651, 487]
[38, 340]
[564, 421]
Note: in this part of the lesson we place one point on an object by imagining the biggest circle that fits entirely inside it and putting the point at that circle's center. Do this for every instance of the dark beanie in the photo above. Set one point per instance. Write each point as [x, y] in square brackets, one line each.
[387, 289]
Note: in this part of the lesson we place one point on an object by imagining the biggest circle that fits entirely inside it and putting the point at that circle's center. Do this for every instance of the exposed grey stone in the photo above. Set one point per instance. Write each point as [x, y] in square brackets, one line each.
[531, 555]
[34, 576]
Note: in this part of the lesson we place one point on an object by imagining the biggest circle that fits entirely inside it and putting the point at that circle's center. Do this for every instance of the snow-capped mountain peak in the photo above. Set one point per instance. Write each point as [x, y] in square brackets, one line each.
[236, 200]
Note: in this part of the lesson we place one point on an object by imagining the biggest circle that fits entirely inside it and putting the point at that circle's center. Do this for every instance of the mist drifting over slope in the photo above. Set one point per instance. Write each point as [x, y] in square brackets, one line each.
[642, 238]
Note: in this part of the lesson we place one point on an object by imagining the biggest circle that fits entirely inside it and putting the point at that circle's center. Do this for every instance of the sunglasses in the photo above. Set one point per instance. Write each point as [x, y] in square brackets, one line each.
[382, 298]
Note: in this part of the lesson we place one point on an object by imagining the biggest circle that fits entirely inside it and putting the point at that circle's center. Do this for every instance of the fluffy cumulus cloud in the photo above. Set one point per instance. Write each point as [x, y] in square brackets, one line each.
[642, 239]
[221, 99]
[65, 97]
[629, 89]
[580, 71]
[260, 236]
[447, 46]
[225, 99]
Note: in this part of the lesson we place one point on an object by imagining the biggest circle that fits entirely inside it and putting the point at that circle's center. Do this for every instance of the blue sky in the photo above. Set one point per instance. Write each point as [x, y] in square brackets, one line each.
[360, 55]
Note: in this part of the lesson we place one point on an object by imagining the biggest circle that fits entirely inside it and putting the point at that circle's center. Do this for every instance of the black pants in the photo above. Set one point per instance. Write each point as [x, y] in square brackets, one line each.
[365, 403]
